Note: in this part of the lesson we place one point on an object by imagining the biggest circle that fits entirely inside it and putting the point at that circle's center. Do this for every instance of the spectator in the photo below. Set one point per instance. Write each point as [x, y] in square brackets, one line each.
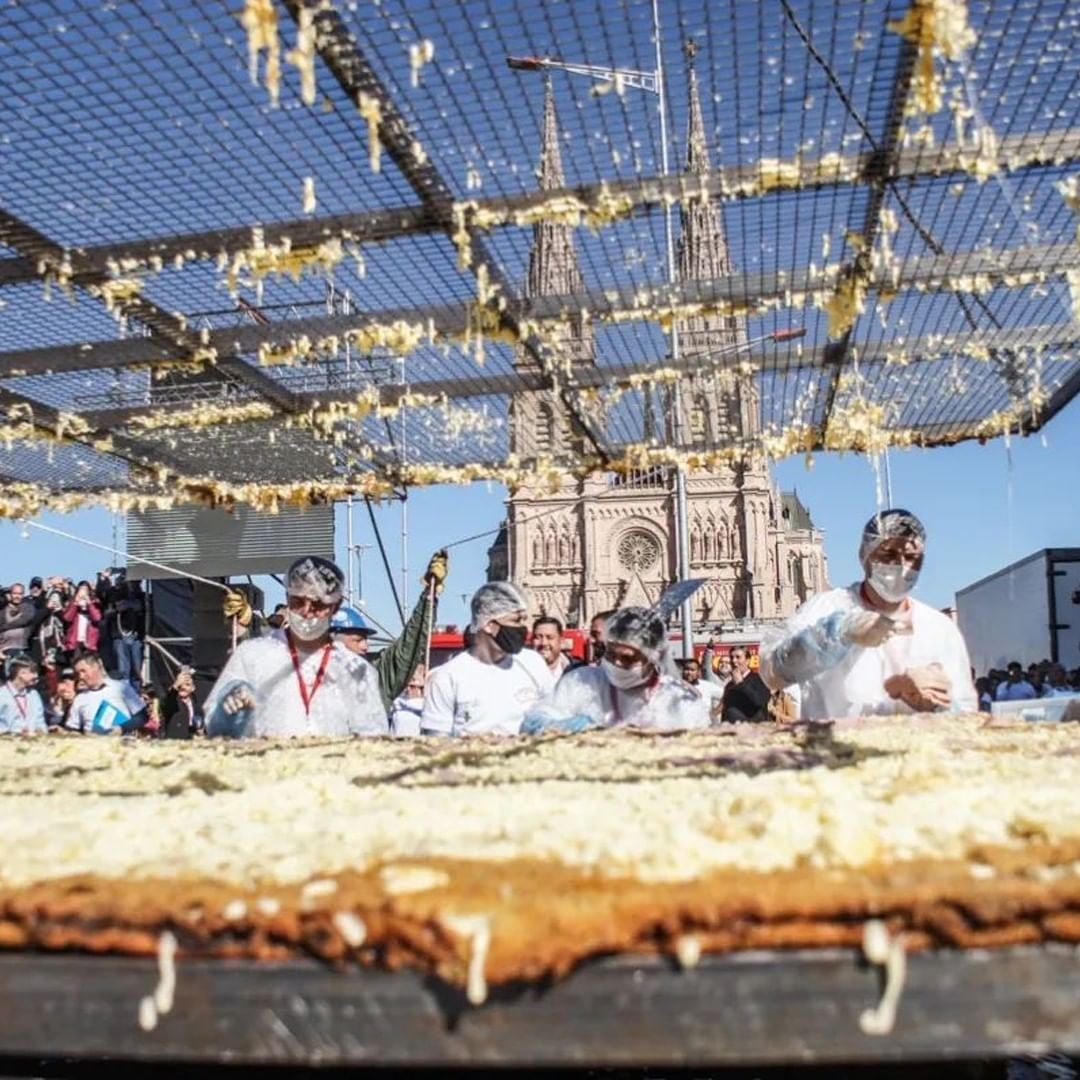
[16, 621]
[181, 717]
[37, 592]
[597, 632]
[59, 712]
[746, 697]
[984, 689]
[547, 640]
[277, 620]
[150, 699]
[21, 710]
[104, 705]
[1057, 685]
[47, 640]
[409, 707]
[710, 691]
[82, 618]
[488, 689]
[1015, 687]
[126, 626]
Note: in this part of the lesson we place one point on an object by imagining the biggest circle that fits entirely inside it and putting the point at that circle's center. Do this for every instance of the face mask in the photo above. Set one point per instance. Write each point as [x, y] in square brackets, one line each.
[511, 639]
[891, 581]
[625, 678]
[308, 629]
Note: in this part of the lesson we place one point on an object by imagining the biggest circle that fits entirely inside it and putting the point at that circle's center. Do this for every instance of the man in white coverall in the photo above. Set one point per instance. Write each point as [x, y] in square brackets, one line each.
[872, 649]
[634, 685]
[298, 680]
[487, 689]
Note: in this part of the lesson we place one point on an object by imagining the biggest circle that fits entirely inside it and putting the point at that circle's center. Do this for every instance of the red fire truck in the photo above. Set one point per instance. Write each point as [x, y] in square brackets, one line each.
[447, 641]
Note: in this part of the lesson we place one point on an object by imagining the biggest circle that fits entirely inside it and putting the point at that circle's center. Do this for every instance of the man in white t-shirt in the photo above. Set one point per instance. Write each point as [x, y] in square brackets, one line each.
[871, 648]
[104, 706]
[488, 689]
[713, 694]
[298, 680]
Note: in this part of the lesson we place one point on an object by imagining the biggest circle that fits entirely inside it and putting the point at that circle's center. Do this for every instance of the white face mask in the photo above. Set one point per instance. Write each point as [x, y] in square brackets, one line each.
[892, 581]
[625, 678]
[309, 629]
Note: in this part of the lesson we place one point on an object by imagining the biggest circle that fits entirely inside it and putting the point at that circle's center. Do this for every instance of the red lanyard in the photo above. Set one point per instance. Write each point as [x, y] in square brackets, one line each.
[308, 696]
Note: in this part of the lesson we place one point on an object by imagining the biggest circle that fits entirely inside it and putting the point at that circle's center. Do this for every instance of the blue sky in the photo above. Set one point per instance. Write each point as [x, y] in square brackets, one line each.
[211, 152]
[961, 493]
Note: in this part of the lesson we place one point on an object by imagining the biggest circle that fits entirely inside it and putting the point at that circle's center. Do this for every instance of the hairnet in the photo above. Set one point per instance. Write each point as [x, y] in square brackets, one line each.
[642, 629]
[888, 525]
[315, 578]
[494, 599]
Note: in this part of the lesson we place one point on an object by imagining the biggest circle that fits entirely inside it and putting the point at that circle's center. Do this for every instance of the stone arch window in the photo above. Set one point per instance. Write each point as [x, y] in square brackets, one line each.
[638, 551]
[545, 429]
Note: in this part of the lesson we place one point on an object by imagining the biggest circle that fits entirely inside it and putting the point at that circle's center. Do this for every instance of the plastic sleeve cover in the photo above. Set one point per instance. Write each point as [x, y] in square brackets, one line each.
[220, 725]
[801, 655]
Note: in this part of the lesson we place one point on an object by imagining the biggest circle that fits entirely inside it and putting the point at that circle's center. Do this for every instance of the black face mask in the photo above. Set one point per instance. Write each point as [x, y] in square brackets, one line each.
[511, 639]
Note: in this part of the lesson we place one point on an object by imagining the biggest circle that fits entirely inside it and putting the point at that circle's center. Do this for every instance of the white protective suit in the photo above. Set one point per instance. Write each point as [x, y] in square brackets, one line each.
[837, 679]
[669, 705]
[346, 703]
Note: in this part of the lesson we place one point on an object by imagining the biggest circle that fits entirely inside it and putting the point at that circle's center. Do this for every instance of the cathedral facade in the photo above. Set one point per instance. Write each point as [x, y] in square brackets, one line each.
[609, 540]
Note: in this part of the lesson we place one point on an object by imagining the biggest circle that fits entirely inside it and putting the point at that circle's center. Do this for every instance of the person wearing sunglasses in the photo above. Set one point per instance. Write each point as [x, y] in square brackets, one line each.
[298, 680]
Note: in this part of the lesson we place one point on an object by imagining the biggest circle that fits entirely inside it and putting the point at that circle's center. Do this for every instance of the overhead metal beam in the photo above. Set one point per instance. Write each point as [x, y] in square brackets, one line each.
[628, 303]
[1031, 149]
[620, 376]
[49, 421]
[901, 85]
[165, 326]
[341, 52]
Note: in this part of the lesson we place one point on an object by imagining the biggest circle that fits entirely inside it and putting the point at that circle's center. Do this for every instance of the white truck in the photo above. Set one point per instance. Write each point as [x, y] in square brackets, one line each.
[1029, 611]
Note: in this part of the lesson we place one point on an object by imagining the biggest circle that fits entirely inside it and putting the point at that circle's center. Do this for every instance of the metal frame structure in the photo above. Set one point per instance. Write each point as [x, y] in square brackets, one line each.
[982, 314]
[753, 1009]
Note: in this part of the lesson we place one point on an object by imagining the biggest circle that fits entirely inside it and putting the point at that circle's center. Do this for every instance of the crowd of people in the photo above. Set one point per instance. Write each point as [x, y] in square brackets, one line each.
[866, 649]
[54, 619]
[1043, 679]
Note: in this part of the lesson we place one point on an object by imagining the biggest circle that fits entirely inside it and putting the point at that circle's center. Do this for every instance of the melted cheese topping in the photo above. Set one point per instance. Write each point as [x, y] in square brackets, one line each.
[939, 788]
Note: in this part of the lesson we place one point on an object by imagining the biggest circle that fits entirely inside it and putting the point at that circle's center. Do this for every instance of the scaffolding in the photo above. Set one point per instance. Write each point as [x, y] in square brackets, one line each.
[896, 180]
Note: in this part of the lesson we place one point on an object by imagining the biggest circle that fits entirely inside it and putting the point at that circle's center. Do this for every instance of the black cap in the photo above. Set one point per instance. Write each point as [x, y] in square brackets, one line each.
[67, 673]
[36, 583]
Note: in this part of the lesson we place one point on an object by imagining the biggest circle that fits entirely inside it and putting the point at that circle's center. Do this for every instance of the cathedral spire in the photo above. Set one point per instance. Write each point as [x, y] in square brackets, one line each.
[551, 171]
[697, 150]
[553, 263]
[703, 251]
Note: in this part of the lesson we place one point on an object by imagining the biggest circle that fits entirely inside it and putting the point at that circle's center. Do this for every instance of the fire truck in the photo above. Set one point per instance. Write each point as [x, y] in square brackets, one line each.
[447, 641]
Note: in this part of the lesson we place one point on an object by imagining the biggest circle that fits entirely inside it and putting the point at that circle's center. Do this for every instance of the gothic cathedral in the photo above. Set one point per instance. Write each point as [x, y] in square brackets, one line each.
[609, 541]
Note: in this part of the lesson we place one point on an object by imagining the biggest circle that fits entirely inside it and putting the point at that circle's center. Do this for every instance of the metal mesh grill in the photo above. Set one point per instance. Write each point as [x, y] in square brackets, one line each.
[157, 248]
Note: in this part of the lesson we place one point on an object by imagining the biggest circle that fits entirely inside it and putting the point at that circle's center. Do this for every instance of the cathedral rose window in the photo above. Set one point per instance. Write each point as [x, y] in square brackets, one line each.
[638, 550]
